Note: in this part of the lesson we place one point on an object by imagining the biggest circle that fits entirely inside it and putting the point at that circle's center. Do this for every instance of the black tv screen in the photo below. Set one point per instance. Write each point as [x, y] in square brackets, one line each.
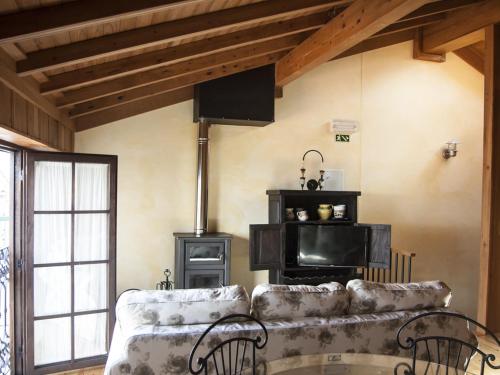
[245, 98]
[332, 246]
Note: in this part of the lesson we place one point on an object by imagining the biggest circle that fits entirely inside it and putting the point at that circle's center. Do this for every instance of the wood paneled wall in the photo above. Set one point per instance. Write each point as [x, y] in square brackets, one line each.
[27, 125]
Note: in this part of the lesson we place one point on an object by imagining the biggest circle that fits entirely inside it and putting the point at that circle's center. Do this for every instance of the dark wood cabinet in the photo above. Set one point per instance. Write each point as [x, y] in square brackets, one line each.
[274, 246]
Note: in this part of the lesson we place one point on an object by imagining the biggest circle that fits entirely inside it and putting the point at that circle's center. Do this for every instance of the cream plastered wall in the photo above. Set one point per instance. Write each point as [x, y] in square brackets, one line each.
[407, 109]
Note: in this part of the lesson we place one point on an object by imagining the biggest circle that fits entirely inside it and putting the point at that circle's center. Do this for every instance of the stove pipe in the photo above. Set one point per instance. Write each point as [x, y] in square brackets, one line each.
[201, 218]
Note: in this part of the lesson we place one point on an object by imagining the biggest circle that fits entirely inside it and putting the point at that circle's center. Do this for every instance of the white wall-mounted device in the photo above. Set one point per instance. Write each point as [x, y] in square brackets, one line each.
[344, 126]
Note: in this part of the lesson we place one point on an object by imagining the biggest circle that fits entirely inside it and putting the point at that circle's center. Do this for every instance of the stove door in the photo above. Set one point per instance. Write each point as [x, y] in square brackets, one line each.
[204, 253]
[204, 278]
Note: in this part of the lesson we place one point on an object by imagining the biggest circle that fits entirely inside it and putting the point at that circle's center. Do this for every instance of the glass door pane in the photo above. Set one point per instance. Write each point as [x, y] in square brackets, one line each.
[73, 214]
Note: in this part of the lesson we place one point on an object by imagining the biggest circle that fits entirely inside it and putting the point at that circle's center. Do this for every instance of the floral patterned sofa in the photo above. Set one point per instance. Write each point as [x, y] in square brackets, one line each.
[155, 330]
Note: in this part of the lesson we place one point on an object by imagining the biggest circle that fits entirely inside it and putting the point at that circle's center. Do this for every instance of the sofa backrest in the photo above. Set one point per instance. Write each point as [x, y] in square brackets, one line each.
[181, 306]
[271, 301]
[370, 297]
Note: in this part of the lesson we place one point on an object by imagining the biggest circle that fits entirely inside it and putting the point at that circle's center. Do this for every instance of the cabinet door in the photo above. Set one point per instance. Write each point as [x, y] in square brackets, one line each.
[265, 246]
[379, 245]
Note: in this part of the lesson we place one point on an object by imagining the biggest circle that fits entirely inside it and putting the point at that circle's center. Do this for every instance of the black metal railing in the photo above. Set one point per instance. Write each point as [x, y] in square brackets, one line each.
[399, 271]
[4, 312]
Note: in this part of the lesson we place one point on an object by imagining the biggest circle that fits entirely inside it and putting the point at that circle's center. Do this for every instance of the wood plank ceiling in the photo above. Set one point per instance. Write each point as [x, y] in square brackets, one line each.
[99, 61]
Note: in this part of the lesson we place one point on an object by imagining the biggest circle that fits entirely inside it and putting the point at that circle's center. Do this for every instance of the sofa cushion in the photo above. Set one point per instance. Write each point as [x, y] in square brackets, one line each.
[271, 301]
[369, 297]
[182, 306]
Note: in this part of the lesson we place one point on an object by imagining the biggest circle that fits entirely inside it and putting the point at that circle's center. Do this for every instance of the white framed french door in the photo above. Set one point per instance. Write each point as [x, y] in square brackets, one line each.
[70, 260]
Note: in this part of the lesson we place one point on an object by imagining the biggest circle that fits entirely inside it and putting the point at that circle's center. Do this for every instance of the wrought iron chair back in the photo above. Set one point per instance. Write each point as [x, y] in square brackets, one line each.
[450, 351]
[232, 356]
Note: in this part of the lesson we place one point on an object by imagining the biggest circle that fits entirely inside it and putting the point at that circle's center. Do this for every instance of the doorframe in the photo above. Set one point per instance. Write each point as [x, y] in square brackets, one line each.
[488, 309]
[16, 284]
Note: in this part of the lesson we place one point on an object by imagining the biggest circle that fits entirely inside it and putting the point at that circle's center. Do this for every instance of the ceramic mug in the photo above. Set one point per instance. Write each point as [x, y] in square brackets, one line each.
[339, 211]
[290, 214]
[302, 215]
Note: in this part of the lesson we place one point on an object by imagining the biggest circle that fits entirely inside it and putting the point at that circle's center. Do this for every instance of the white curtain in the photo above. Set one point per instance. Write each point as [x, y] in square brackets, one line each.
[52, 186]
[90, 335]
[52, 340]
[52, 238]
[52, 244]
[91, 186]
[91, 237]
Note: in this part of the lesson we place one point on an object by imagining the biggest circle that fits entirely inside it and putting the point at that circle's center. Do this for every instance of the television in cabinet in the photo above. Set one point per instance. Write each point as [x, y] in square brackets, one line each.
[346, 245]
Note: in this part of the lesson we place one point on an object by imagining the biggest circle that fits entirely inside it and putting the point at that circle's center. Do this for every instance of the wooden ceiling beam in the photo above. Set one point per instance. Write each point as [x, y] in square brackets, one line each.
[420, 54]
[362, 19]
[141, 106]
[461, 27]
[378, 42]
[40, 22]
[172, 84]
[130, 40]
[411, 24]
[182, 68]
[472, 56]
[137, 63]
[124, 110]
[438, 7]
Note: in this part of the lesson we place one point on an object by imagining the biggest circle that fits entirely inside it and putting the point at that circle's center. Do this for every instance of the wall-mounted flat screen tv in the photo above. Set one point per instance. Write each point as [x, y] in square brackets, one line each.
[245, 98]
[332, 246]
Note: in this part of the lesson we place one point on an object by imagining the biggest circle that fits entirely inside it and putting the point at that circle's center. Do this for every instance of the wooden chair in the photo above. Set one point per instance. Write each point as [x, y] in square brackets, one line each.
[449, 351]
[232, 356]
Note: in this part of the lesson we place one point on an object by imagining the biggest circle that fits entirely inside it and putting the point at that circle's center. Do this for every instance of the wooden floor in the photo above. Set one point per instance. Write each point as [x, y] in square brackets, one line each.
[488, 346]
[86, 371]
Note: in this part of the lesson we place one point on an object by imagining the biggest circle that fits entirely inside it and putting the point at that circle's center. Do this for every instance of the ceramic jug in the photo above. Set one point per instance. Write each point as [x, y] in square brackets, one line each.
[325, 211]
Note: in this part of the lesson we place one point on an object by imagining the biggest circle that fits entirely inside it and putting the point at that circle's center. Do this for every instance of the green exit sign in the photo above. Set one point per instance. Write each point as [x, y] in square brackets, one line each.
[342, 138]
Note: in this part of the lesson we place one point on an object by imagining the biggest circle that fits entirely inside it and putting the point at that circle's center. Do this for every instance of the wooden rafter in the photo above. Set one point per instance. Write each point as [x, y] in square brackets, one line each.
[411, 24]
[472, 56]
[122, 110]
[35, 23]
[378, 42]
[173, 84]
[124, 41]
[137, 63]
[104, 71]
[362, 19]
[141, 106]
[179, 69]
[420, 54]
[439, 7]
[461, 27]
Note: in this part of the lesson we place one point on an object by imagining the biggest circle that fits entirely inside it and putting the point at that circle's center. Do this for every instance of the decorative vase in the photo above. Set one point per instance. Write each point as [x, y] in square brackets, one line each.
[325, 211]
[290, 214]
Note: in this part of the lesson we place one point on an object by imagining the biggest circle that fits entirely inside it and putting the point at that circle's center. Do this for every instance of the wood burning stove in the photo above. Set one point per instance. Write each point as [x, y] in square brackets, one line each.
[202, 261]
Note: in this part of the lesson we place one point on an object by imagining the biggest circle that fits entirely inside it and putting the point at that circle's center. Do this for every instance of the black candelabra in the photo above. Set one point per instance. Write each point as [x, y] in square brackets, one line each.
[166, 284]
